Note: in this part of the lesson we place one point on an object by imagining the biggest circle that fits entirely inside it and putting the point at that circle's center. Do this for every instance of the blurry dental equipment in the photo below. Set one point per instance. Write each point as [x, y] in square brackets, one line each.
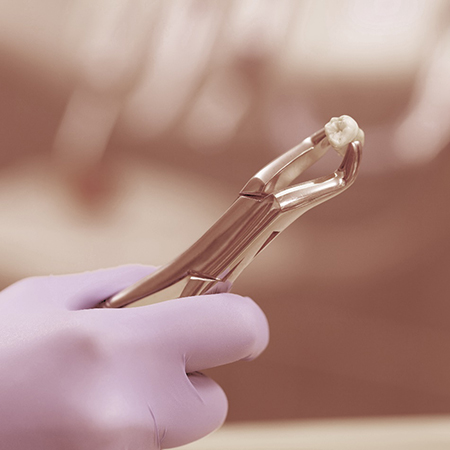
[244, 63]
[109, 59]
[266, 205]
[425, 129]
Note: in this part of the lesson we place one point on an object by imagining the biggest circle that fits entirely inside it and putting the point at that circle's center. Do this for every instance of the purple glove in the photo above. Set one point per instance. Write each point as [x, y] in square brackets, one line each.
[79, 378]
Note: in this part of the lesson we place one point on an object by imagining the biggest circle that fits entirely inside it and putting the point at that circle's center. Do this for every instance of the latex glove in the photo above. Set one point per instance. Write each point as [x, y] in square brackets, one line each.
[77, 378]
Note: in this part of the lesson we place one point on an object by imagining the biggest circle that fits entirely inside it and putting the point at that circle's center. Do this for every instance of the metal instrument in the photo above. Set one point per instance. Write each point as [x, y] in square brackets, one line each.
[266, 205]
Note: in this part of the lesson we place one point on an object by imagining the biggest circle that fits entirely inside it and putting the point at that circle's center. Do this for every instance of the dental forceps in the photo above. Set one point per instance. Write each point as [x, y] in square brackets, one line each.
[266, 205]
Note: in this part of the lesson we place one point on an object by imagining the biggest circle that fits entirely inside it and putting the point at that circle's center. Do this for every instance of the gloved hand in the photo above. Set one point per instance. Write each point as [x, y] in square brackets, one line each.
[105, 379]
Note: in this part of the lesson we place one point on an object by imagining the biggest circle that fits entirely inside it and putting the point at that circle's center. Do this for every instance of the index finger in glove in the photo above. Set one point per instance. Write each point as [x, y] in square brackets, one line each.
[207, 331]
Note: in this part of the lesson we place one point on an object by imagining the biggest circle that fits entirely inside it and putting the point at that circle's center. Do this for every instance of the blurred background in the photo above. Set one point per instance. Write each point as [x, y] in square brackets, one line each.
[127, 127]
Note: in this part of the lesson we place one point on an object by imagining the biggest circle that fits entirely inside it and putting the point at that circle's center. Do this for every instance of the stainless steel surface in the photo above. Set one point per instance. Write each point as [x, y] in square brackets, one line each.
[265, 207]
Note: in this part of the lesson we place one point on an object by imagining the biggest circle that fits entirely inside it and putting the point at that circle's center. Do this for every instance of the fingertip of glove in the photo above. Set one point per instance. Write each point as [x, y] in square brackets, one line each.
[251, 322]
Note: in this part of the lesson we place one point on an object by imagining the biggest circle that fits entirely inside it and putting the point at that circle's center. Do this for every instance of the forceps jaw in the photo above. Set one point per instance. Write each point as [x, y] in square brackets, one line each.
[286, 168]
[309, 194]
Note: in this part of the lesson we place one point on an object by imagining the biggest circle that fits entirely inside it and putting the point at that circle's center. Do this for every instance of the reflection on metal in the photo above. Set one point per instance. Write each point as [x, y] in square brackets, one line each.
[267, 204]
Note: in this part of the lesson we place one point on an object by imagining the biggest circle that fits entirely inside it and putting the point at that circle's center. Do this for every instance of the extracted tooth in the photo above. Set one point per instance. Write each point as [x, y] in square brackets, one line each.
[341, 131]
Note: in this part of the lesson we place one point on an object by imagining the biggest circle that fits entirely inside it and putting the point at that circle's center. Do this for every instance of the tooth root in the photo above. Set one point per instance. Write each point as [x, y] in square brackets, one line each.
[341, 131]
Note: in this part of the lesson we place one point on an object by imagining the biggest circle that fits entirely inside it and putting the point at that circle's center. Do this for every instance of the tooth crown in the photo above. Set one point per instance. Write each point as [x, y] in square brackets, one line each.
[341, 131]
